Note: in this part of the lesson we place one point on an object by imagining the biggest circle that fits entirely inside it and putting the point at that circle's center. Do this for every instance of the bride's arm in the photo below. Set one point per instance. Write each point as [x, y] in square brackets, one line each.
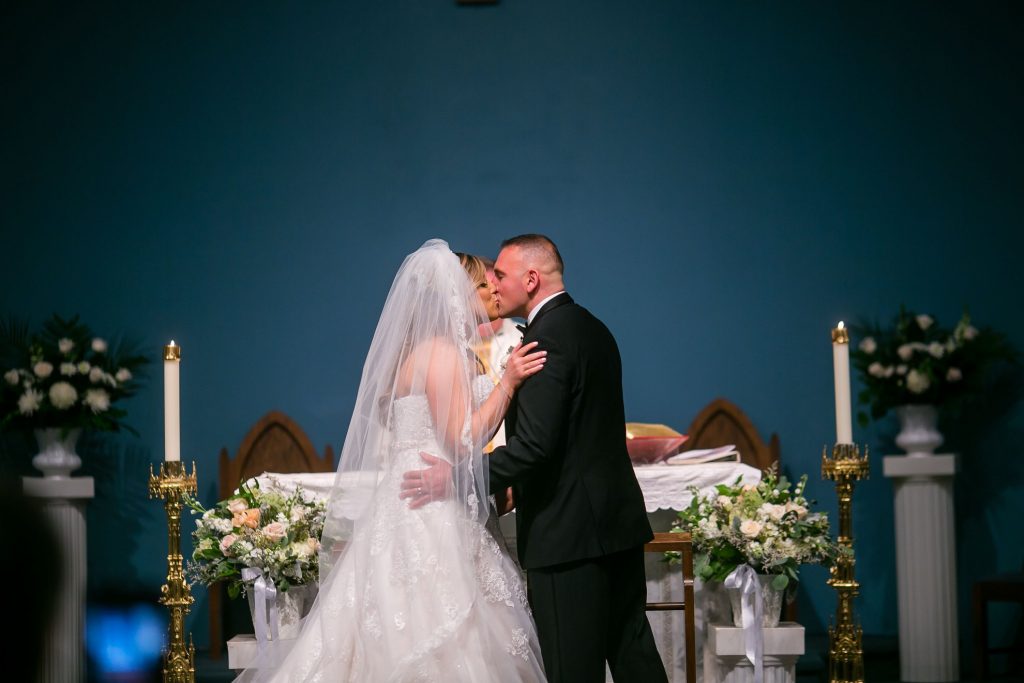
[448, 400]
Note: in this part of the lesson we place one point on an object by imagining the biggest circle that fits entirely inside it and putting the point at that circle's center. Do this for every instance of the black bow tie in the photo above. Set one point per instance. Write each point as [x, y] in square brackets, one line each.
[522, 328]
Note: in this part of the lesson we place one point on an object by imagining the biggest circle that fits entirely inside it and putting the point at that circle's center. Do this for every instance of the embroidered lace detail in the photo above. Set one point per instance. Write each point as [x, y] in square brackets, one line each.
[520, 646]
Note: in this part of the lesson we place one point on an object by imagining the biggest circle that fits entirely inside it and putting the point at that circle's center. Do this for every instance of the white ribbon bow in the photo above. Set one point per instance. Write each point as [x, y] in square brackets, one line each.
[744, 579]
[265, 593]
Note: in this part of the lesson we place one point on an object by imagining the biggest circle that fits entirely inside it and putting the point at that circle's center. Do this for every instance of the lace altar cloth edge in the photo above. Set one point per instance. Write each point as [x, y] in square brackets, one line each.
[665, 487]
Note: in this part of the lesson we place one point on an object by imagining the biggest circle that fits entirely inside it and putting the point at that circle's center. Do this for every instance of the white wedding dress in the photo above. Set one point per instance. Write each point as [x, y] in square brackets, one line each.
[410, 600]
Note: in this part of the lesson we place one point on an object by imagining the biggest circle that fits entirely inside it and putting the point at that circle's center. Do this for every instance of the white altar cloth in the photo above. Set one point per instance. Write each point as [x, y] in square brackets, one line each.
[665, 487]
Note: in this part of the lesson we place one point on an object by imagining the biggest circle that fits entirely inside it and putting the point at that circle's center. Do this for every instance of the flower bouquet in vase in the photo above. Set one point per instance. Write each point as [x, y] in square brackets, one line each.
[753, 539]
[915, 367]
[264, 544]
[60, 381]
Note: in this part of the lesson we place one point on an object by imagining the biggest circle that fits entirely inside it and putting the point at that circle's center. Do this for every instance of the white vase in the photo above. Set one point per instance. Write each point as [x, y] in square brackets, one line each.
[771, 602]
[919, 434]
[292, 606]
[57, 458]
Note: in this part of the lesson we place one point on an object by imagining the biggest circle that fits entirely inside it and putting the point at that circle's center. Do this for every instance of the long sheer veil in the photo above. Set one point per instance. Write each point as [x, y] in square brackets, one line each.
[422, 346]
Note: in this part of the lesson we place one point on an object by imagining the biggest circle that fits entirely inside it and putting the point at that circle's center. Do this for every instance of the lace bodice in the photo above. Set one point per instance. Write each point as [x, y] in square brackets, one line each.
[413, 425]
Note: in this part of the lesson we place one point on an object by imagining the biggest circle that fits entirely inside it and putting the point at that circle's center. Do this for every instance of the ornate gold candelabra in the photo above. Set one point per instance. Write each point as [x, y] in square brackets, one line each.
[845, 651]
[171, 484]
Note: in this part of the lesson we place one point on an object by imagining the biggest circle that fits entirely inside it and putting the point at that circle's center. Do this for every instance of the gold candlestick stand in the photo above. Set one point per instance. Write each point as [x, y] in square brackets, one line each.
[171, 484]
[845, 651]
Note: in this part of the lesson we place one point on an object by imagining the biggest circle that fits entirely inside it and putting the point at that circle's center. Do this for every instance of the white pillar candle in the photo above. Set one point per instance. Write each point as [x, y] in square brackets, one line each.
[172, 410]
[841, 369]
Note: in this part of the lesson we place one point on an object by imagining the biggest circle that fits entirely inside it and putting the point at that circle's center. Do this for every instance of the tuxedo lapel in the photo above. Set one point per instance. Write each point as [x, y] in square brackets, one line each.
[560, 300]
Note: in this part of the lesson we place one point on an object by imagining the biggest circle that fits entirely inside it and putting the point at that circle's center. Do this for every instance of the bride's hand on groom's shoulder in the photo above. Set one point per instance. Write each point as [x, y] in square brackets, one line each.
[523, 362]
[427, 485]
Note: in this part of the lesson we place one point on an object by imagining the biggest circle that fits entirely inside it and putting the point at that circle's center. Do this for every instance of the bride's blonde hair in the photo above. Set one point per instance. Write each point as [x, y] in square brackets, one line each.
[475, 266]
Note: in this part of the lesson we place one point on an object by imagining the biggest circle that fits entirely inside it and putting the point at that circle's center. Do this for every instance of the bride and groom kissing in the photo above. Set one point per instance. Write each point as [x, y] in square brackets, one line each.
[416, 583]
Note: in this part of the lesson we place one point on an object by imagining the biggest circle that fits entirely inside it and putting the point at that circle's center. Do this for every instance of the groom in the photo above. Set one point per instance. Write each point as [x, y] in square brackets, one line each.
[580, 516]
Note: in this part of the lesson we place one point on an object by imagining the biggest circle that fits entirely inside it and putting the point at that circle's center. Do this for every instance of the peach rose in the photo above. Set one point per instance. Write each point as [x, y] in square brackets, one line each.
[249, 518]
[236, 505]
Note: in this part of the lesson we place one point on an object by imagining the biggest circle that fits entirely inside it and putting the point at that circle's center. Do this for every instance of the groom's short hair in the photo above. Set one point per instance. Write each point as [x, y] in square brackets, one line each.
[539, 245]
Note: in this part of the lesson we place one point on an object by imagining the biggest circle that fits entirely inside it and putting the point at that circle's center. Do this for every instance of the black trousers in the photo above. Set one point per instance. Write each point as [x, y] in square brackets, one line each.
[592, 611]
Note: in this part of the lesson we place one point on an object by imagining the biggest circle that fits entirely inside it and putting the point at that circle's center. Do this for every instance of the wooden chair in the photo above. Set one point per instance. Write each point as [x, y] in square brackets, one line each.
[662, 543]
[274, 444]
[722, 422]
[1002, 588]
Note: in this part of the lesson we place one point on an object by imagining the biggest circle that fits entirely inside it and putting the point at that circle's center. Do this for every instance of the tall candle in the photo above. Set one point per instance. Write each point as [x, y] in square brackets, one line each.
[841, 369]
[172, 409]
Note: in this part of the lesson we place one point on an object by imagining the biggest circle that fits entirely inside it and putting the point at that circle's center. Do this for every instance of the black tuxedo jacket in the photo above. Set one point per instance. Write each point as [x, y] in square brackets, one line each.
[575, 491]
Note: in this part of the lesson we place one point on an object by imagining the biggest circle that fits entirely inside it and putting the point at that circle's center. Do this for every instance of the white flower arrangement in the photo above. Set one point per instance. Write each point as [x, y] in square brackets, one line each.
[276, 533]
[918, 361]
[64, 377]
[765, 525]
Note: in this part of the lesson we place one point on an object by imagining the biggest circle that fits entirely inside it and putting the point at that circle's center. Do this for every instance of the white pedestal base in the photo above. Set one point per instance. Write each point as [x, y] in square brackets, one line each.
[925, 566]
[243, 650]
[725, 660]
[65, 501]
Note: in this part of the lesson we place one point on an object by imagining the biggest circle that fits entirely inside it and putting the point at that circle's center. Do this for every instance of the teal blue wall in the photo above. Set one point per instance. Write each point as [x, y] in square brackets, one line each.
[725, 181]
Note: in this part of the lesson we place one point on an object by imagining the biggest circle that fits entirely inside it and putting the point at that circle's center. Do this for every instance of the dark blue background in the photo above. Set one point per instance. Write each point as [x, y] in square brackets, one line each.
[725, 181]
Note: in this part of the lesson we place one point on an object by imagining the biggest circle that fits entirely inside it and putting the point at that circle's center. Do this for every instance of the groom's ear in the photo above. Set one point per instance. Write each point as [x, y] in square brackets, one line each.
[532, 281]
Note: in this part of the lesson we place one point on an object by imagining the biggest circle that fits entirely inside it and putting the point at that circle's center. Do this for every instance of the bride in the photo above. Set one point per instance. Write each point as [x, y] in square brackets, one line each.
[426, 594]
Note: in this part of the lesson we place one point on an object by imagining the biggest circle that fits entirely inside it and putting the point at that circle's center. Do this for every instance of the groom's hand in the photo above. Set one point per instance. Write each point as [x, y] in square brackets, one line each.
[426, 486]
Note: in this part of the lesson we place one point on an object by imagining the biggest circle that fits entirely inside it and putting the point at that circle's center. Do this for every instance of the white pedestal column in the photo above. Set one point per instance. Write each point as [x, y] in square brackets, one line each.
[925, 566]
[65, 500]
[725, 659]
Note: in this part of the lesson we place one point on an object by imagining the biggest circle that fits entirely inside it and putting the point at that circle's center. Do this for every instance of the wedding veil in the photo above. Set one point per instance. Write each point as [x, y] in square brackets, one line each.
[422, 346]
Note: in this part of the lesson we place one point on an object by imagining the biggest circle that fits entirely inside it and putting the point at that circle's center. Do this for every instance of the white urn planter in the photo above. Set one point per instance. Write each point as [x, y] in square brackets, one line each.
[919, 435]
[57, 458]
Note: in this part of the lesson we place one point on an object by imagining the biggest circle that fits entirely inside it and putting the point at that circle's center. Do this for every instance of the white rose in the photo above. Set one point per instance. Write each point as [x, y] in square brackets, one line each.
[68, 369]
[905, 351]
[876, 370]
[970, 332]
[28, 402]
[11, 376]
[123, 375]
[918, 382]
[302, 549]
[63, 395]
[924, 321]
[750, 528]
[65, 345]
[95, 375]
[954, 375]
[725, 501]
[83, 367]
[42, 369]
[774, 512]
[936, 349]
[99, 346]
[901, 369]
[794, 507]
[867, 345]
[97, 399]
[889, 370]
[236, 505]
